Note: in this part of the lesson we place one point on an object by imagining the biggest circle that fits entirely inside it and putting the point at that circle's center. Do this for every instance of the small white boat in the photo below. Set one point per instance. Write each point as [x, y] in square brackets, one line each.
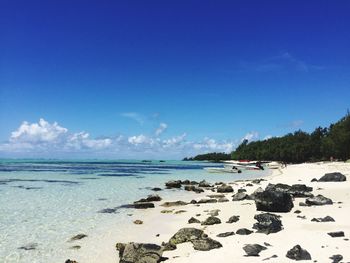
[222, 170]
[273, 165]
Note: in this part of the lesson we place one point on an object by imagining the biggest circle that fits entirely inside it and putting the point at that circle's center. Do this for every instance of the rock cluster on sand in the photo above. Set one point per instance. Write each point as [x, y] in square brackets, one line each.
[253, 250]
[197, 237]
[298, 253]
[267, 223]
[150, 198]
[139, 253]
[273, 201]
[296, 190]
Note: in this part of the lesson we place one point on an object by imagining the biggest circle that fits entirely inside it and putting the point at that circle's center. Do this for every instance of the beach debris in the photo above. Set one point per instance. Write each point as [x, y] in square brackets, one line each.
[211, 220]
[150, 198]
[336, 258]
[296, 190]
[173, 184]
[77, 237]
[139, 252]
[333, 177]
[225, 234]
[193, 220]
[138, 222]
[298, 253]
[323, 219]
[193, 188]
[244, 231]
[267, 223]
[224, 188]
[214, 212]
[204, 184]
[207, 200]
[239, 196]
[197, 237]
[318, 200]
[29, 246]
[273, 201]
[253, 250]
[336, 234]
[233, 219]
[176, 203]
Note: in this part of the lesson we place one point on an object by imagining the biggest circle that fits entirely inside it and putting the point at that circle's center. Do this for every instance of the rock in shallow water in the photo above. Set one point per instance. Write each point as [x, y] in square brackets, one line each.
[173, 184]
[298, 253]
[253, 250]
[78, 237]
[273, 201]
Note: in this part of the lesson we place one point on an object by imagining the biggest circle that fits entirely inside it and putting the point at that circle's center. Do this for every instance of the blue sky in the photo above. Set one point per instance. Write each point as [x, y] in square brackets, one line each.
[149, 79]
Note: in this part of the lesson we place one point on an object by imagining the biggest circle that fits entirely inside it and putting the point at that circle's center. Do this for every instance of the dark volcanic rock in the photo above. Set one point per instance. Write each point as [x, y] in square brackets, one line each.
[225, 234]
[333, 177]
[176, 203]
[204, 184]
[297, 253]
[168, 247]
[232, 219]
[194, 188]
[211, 220]
[239, 196]
[243, 231]
[223, 200]
[336, 234]
[204, 201]
[139, 253]
[273, 201]
[323, 219]
[193, 220]
[267, 223]
[296, 190]
[318, 200]
[224, 188]
[150, 198]
[173, 184]
[197, 237]
[143, 205]
[336, 258]
[217, 196]
[253, 195]
[253, 250]
[70, 261]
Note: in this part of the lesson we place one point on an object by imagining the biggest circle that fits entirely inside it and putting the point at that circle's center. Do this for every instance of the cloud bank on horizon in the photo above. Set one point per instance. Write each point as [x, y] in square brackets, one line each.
[45, 139]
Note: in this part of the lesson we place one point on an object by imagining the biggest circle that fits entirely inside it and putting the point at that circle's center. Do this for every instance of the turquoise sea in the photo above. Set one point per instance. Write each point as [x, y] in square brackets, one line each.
[43, 203]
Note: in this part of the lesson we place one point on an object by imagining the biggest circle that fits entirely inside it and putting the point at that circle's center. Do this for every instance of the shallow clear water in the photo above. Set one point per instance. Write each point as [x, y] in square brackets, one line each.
[44, 203]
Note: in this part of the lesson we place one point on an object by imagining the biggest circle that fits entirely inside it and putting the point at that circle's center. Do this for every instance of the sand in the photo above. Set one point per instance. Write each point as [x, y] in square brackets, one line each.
[312, 236]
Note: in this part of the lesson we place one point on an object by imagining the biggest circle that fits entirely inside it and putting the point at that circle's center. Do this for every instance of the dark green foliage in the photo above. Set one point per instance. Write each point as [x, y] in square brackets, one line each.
[216, 157]
[321, 144]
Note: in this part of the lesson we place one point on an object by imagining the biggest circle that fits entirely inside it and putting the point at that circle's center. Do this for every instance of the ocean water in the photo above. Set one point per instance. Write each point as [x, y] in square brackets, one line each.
[44, 203]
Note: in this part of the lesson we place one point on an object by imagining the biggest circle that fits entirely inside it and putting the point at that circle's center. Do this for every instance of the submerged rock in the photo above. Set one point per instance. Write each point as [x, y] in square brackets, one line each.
[318, 200]
[267, 223]
[211, 220]
[143, 205]
[298, 253]
[78, 237]
[30, 246]
[253, 250]
[139, 253]
[150, 198]
[232, 219]
[156, 189]
[333, 177]
[273, 201]
[173, 184]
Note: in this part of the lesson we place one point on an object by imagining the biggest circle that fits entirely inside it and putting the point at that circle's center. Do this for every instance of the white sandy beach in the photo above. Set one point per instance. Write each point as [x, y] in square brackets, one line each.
[312, 236]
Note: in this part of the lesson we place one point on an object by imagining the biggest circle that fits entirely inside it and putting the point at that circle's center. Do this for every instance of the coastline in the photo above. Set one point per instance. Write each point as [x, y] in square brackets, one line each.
[159, 227]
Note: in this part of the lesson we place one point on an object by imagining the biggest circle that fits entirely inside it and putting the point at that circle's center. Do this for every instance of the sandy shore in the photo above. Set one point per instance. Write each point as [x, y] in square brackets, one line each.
[312, 236]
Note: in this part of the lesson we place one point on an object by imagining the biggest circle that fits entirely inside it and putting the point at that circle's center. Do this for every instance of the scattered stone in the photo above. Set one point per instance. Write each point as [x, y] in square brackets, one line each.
[253, 195]
[258, 181]
[168, 247]
[75, 247]
[214, 212]
[71, 261]
[314, 180]
[211, 220]
[193, 202]
[173, 184]
[204, 184]
[241, 190]
[194, 188]
[318, 200]
[139, 252]
[108, 211]
[207, 200]
[30, 246]
[176, 203]
[156, 189]
[333, 177]
[223, 200]
[138, 222]
[336, 234]
[143, 205]
[267, 223]
[193, 220]
[336, 258]
[297, 253]
[324, 219]
[273, 201]
[273, 256]
[243, 231]
[217, 196]
[150, 198]
[166, 211]
[225, 234]
[302, 217]
[296, 190]
[180, 212]
[297, 211]
[197, 237]
[232, 219]
[253, 250]
[249, 184]
[267, 244]
[78, 237]
[224, 188]
[239, 196]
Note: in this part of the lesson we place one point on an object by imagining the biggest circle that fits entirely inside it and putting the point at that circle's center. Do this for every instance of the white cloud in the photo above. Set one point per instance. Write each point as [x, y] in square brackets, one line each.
[209, 144]
[140, 139]
[162, 127]
[134, 116]
[251, 136]
[267, 137]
